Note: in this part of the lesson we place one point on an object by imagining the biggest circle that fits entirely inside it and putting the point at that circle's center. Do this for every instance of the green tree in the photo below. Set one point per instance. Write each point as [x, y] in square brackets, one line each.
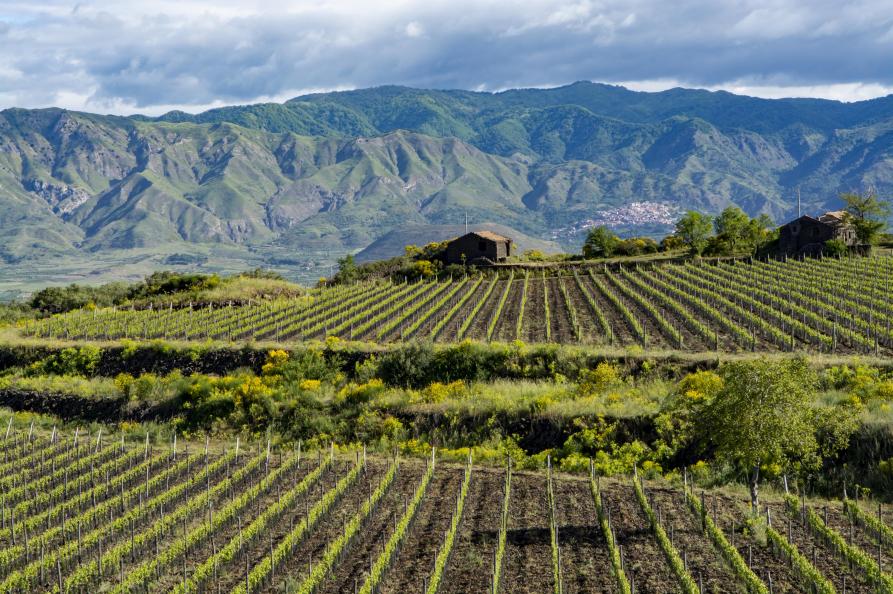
[348, 271]
[763, 417]
[867, 213]
[761, 231]
[732, 227]
[736, 233]
[694, 231]
[601, 242]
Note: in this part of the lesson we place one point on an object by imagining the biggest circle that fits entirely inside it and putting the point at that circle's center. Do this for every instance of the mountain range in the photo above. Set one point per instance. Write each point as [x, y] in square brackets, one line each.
[326, 174]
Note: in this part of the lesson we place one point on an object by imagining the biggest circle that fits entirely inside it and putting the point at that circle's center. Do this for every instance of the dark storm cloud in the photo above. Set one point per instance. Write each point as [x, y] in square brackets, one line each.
[150, 55]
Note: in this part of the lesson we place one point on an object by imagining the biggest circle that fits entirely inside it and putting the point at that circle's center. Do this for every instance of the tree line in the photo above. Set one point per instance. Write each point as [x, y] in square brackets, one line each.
[734, 233]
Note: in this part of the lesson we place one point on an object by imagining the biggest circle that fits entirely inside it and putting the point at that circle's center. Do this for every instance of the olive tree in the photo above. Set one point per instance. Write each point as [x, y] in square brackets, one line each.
[763, 416]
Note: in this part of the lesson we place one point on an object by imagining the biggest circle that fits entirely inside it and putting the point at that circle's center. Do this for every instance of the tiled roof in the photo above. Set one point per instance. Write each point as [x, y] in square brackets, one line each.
[490, 235]
[835, 218]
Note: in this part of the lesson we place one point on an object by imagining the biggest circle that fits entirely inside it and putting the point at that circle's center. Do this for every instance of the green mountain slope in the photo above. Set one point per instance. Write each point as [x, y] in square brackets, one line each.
[307, 180]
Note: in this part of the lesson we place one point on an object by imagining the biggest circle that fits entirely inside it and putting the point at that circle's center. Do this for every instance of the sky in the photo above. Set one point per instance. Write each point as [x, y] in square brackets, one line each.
[142, 56]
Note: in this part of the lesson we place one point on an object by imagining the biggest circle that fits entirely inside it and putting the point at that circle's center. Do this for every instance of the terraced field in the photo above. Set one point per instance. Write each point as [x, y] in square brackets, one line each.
[84, 514]
[822, 306]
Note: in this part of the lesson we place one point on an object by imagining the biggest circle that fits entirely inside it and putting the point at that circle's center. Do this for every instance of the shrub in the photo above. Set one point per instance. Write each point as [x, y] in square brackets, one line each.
[70, 361]
[835, 248]
[595, 381]
[438, 392]
[310, 385]
[309, 364]
[354, 394]
[74, 296]
[372, 426]
[407, 366]
[465, 361]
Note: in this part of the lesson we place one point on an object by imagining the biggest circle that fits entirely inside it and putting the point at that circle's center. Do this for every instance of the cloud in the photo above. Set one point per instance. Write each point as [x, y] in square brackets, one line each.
[414, 29]
[147, 56]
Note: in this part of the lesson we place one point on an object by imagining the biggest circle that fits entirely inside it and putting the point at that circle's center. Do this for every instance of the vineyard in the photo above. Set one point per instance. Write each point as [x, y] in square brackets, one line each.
[81, 513]
[822, 306]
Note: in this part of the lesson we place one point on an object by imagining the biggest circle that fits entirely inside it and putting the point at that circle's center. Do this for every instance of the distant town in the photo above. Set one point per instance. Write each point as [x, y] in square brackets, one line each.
[630, 215]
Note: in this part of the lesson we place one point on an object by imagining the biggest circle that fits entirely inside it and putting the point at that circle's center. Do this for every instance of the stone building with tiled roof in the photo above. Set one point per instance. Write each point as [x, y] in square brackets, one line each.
[807, 235]
[478, 247]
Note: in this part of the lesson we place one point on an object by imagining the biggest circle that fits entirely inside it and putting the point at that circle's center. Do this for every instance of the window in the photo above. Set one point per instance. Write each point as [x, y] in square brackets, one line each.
[482, 246]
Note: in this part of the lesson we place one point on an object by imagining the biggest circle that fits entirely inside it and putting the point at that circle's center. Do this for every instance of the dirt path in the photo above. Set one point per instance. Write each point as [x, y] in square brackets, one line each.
[705, 563]
[471, 564]
[508, 319]
[825, 559]
[478, 328]
[644, 562]
[585, 564]
[528, 561]
[562, 327]
[354, 567]
[415, 561]
[533, 327]
[590, 327]
[730, 514]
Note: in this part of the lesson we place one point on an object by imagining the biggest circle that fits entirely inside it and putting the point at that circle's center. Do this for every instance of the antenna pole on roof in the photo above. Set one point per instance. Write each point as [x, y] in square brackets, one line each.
[799, 214]
[466, 221]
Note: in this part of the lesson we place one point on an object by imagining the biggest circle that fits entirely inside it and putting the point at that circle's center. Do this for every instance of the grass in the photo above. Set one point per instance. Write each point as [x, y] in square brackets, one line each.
[95, 388]
[241, 289]
[544, 399]
[504, 396]
[623, 402]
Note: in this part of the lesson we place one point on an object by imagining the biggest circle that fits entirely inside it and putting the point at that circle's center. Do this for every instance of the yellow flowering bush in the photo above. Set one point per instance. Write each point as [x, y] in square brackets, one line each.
[275, 359]
[700, 387]
[123, 381]
[651, 469]
[700, 471]
[252, 387]
[357, 393]
[415, 447]
[310, 385]
[127, 426]
[438, 392]
[596, 381]
[424, 268]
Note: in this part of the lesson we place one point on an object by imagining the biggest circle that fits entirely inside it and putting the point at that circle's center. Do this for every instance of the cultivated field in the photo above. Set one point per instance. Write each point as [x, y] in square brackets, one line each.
[839, 306]
[83, 514]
